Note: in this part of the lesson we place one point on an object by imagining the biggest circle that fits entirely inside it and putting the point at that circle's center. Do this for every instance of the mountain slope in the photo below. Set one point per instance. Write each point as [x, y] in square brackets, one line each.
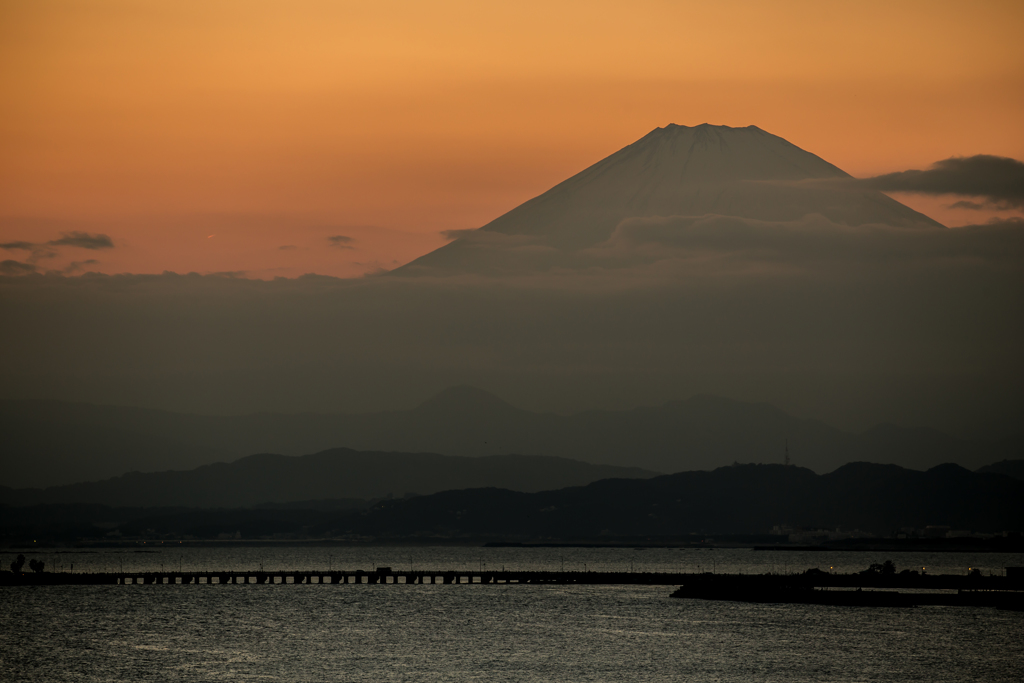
[672, 171]
[742, 499]
[335, 474]
[1011, 468]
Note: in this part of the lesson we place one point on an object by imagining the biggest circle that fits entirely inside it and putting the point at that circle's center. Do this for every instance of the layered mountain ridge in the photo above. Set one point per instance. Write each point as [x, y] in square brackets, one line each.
[50, 443]
[687, 506]
[337, 474]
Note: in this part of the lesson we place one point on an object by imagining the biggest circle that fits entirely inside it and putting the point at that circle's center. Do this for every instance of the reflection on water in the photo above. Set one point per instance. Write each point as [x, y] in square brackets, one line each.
[490, 632]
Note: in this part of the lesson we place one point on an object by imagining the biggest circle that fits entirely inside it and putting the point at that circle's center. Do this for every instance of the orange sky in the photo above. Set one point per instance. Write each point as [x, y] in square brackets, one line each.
[205, 136]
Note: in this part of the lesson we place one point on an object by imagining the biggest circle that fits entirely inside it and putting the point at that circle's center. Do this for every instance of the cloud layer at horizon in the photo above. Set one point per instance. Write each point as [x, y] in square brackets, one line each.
[852, 325]
[50, 249]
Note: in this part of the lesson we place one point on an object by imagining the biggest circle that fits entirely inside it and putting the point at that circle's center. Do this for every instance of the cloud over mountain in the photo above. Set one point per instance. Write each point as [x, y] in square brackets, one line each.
[814, 242]
[678, 173]
[1000, 180]
[704, 259]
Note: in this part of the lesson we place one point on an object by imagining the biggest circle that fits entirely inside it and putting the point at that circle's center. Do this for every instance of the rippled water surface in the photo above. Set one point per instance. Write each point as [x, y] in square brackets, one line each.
[483, 632]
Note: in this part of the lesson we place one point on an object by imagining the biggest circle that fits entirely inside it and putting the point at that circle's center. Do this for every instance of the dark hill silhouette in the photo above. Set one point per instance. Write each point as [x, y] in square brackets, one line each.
[742, 499]
[334, 474]
[1011, 468]
[48, 443]
[745, 500]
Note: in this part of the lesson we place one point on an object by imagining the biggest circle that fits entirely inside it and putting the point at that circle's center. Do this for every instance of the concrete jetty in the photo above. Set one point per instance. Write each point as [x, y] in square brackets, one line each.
[859, 590]
[382, 575]
[746, 587]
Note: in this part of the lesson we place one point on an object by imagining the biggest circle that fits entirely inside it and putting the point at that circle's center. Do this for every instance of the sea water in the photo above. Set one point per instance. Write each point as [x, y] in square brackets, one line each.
[498, 632]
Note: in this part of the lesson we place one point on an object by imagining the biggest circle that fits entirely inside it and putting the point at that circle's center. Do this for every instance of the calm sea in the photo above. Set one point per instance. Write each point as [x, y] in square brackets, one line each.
[487, 632]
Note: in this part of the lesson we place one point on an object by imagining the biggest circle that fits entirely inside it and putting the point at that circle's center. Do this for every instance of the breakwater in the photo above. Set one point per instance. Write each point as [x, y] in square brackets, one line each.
[706, 582]
[859, 590]
[382, 575]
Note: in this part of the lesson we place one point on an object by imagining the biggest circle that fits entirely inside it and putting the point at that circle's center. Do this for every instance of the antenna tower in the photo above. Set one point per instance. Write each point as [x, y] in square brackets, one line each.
[785, 460]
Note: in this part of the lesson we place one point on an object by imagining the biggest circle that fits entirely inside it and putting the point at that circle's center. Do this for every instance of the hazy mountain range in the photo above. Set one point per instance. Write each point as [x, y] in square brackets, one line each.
[331, 475]
[741, 499]
[1011, 468]
[49, 443]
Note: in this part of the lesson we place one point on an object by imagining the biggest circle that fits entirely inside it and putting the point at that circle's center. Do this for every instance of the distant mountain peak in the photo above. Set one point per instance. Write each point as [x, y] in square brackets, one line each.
[702, 127]
[676, 170]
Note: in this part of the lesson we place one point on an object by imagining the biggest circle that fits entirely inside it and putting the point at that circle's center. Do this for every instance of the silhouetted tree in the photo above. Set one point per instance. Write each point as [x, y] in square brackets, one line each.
[18, 564]
[36, 565]
[885, 569]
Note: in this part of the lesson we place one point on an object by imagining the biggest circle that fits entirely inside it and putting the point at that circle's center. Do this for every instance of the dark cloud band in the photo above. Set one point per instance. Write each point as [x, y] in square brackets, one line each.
[83, 240]
[24, 246]
[1000, 180]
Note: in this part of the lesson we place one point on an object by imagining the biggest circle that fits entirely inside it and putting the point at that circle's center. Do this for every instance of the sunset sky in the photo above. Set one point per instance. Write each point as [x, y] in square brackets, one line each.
[241, 135]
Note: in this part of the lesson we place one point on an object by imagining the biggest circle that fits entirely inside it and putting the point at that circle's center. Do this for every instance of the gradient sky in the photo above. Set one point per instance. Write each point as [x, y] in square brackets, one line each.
[240, 135]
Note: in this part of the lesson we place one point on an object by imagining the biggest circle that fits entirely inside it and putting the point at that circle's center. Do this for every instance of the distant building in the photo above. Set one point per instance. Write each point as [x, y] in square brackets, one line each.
[936, 531]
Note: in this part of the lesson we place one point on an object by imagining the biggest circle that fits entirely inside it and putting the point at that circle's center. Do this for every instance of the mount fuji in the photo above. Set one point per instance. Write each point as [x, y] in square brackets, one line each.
[675, 171]
[704, 260]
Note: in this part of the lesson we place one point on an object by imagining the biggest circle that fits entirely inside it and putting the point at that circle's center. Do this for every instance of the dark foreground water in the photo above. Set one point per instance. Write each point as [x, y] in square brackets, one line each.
[484, 632]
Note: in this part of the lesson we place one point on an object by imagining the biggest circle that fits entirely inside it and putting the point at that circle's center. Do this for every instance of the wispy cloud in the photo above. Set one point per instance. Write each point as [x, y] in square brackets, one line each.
[25, 246]
[47, 250]
[341, 241]
[967, 204]
[83, 240]
[78, 266]
[12, 267]
[457, 234]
